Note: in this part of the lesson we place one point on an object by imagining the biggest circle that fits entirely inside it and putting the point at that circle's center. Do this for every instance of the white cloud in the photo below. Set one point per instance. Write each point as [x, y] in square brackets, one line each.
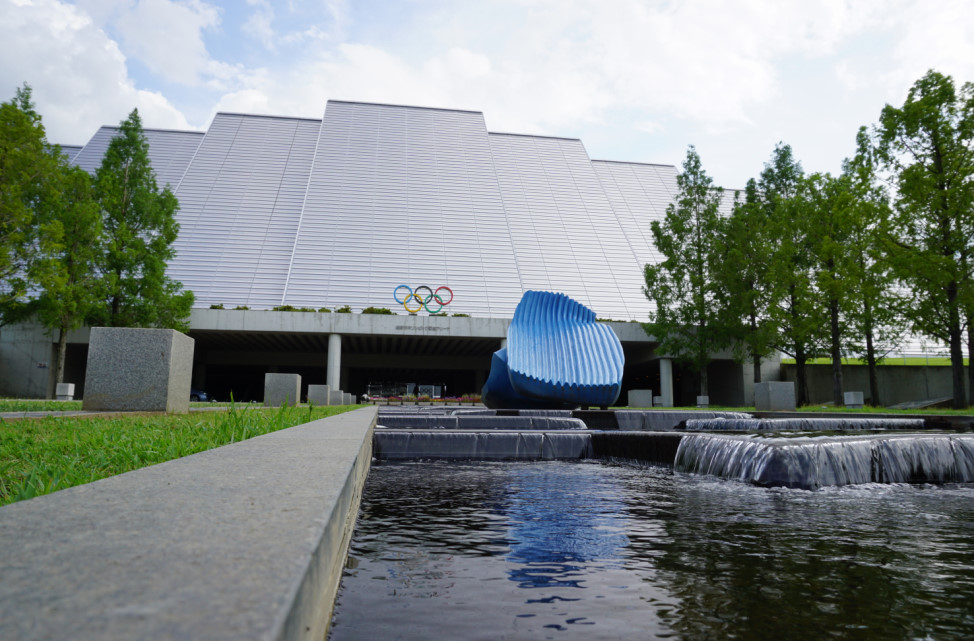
[167, 37]
[566, 63]
[260, 24]
[937, 36]
[711, 71]
[78, 74]
[250, 101]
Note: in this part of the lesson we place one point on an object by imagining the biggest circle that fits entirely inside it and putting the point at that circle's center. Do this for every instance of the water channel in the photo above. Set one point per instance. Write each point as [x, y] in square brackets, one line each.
[593, 550]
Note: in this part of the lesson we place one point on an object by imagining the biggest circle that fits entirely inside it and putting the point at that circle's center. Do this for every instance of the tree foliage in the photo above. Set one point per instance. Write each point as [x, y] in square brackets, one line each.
[74, 249]
[744, 279]
[67, 269]
[876, 305]
[927, 149]
[795, 305]
[139, 228]
[26, 169]
[684, 286]
[831, 212]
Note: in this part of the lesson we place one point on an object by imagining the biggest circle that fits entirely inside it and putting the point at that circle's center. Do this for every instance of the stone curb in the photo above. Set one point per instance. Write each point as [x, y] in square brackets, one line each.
[246, 541]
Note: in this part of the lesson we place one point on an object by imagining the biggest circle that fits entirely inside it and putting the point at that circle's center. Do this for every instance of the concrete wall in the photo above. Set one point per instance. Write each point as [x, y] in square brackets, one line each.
[26, 362]
[27, 353]
[246, 541]
[897, 383]
[345, 324]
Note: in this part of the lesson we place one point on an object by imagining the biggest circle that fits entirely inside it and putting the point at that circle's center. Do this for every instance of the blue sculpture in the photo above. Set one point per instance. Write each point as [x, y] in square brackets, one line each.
[557, 357]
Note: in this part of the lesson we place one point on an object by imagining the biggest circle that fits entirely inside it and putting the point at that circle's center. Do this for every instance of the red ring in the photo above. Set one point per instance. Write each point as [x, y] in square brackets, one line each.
[436, 295]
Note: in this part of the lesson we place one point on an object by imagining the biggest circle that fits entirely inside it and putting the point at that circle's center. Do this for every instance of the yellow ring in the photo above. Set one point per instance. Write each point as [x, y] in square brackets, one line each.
[419, 300]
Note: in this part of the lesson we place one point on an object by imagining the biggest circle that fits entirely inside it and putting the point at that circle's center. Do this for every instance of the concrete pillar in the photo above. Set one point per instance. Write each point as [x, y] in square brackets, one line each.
[666, 381]
[333, 377]
[503, 343]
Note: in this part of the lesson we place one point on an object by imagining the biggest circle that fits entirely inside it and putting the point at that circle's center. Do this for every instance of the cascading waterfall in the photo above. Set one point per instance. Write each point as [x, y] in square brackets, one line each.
[748, 424]
[811, 463]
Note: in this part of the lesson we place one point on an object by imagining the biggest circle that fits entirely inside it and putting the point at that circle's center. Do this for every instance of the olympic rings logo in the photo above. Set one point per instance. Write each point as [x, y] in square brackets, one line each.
[421, 298]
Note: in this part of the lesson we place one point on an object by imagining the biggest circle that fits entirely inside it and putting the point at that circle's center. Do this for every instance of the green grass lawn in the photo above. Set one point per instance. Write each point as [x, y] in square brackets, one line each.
[821, 409]
[39, 456]
[41, 405]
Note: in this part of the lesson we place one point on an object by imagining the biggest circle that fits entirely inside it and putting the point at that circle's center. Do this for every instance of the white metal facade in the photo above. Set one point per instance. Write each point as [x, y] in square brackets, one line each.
[169, 151]
[340, 211]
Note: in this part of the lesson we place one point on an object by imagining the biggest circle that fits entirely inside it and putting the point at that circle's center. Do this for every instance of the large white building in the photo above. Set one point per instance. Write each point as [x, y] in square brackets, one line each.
[341, 210]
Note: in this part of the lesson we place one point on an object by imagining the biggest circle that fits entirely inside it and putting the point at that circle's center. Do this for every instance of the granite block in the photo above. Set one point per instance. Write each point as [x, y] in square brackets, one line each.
[853, 399]
[65, 392]
[336, 397]
[640, 398]
[319, 394]
[138, 369]
[280, 389]
[775, 396]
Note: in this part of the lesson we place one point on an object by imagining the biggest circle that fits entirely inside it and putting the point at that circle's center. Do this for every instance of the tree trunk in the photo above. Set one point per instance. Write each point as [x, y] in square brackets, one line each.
[837, 397]
[62, 350]
[801, 379]
[870, 353]
[956, 334]
[755, 356]
[703, 381]
[970, 360]
[871, 364]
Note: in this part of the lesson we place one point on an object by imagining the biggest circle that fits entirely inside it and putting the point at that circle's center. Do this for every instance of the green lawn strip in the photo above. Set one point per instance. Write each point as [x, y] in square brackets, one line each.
[821, 409]
[939, 361]
[44, 455]
[37, 405]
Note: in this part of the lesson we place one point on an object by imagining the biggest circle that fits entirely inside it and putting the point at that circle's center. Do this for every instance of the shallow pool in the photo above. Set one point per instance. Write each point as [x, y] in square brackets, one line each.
[586, 550]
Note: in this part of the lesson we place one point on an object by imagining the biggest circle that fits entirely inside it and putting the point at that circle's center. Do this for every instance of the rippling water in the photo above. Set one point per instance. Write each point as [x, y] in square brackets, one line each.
[559, 550]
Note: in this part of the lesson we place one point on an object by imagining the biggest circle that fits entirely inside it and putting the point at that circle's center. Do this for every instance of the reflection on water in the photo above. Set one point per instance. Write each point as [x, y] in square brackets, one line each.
[591, 551]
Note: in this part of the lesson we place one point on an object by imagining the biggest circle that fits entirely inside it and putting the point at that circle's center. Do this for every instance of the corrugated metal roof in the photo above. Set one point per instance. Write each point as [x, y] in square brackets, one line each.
[565, 233]
[70, 150]
[640, 194]
[240, 203]
[170, 152]
[339, 211]
[402, 195]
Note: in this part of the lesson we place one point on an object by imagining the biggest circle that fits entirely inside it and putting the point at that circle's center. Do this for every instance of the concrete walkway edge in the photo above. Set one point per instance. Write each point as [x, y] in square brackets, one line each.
[246, 541]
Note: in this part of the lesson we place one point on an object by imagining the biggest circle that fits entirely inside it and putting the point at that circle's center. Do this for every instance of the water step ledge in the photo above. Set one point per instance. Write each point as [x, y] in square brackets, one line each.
[246, 541]
[804, 462]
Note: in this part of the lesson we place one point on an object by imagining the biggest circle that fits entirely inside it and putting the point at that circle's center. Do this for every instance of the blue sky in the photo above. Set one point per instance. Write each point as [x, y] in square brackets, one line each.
[635, 80]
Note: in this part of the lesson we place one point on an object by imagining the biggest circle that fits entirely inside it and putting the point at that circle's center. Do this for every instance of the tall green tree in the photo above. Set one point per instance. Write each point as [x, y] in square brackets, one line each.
[831, 213]
[743, 279]
[67, 268]
[795, 307]
[139, 227]
[876, 305]
[684, 287]
[927, 148]
[26, 168]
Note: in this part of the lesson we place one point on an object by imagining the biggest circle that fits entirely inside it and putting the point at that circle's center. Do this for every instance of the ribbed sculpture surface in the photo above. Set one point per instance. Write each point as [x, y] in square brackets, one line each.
[557, 356]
